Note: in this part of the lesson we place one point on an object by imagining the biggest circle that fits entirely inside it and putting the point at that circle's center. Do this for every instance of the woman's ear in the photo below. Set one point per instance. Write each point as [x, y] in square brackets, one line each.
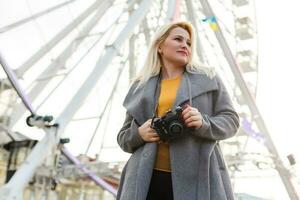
[160, 50]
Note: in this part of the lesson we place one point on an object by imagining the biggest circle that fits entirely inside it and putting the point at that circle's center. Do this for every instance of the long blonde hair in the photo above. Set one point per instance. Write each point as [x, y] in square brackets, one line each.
[153, 61]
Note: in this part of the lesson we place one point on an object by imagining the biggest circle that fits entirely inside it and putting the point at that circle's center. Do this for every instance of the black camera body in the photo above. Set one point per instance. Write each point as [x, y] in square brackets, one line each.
[170, 125]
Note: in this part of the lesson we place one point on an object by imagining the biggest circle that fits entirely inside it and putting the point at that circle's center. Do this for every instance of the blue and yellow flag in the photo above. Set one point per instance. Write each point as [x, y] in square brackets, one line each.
[212, 22]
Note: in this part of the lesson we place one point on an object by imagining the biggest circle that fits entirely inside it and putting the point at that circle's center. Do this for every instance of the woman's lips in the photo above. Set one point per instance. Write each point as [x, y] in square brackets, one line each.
[183, 52]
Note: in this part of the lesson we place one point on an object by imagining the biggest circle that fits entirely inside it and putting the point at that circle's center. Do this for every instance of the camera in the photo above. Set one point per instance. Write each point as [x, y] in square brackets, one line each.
[170, 125]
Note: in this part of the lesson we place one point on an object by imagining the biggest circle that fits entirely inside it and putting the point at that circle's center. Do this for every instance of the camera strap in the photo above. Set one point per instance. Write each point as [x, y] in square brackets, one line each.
[156, 94]
[190, 90]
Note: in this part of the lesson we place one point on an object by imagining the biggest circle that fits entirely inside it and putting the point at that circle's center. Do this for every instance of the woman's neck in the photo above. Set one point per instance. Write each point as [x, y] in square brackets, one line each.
[171, 72]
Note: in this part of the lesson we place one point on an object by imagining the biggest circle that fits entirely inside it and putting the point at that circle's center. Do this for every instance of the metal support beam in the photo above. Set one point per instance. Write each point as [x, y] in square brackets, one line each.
[132, 64]
[89, 173]
[131, 55]
[170, 11]
[11, 76]
[33, 17]
[283, 172]
[57, 38]
[101, 65]
[146, 31]
[192, 17]
[15, 187]
[176, 14]
[52, 69]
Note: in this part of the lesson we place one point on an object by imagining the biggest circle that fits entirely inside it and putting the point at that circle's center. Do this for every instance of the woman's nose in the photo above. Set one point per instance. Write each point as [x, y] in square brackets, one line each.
[184, 45]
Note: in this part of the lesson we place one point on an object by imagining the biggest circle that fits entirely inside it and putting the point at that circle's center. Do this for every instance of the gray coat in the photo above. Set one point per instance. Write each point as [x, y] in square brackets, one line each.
[198, 168]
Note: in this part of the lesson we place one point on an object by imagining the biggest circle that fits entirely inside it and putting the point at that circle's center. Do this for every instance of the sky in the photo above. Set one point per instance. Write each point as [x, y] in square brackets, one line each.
[278, 85]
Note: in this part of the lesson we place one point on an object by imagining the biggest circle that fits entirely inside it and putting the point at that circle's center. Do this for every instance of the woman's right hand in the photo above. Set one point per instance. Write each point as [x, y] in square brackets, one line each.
[147, 133]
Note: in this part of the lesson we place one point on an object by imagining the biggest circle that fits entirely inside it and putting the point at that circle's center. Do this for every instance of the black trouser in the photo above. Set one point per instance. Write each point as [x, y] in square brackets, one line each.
[160, 186]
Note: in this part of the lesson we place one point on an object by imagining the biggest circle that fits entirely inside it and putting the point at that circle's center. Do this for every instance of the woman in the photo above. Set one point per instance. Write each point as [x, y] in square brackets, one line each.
[191, 166]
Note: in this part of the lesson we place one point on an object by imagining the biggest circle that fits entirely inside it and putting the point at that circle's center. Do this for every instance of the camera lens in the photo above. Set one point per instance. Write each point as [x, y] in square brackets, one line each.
[175, 128]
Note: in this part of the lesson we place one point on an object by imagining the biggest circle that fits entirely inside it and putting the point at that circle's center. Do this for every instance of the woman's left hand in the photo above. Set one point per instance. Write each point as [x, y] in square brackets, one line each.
[192, 117]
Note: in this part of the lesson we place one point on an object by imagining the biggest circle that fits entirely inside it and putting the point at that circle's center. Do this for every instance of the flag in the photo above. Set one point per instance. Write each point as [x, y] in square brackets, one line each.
[212, 22]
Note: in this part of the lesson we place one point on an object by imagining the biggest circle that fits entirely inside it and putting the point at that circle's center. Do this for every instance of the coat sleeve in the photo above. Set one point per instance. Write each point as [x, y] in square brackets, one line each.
[128, 137]
[224, 123]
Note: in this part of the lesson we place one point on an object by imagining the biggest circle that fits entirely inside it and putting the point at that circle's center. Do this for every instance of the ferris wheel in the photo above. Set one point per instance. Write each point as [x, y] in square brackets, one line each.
[76, 59]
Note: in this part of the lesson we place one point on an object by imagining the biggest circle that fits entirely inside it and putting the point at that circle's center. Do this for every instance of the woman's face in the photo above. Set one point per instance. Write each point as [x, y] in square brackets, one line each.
[176, 49]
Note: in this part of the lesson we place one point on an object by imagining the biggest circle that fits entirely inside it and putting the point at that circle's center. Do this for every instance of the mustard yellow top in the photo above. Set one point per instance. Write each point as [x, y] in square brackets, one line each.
[166, 100]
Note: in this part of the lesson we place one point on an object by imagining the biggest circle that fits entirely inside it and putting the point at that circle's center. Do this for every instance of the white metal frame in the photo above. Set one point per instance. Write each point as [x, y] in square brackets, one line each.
[52, 69]
[33, 17]
[56, 39]
[283, 172]
[14, 188]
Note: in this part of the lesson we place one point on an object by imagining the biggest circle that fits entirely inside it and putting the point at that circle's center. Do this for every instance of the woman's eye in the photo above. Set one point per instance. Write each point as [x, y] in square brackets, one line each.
[179, 39]
[189, 44]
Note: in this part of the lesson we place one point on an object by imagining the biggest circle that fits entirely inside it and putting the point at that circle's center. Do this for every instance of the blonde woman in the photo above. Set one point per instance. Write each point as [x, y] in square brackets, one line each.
[176, 157]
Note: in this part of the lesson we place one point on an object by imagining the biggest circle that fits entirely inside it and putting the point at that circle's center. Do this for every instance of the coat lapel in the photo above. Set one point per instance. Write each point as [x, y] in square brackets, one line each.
[140, 103]
[199, 83]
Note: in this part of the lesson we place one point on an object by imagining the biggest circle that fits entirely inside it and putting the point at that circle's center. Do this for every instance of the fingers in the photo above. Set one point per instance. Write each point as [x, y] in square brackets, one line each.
[189, 111]
[149, 134]
[192, 113]
[147, 126]
[152, 133]
[192, 117]
[147, 123]
[194, 124]
[154, 139]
